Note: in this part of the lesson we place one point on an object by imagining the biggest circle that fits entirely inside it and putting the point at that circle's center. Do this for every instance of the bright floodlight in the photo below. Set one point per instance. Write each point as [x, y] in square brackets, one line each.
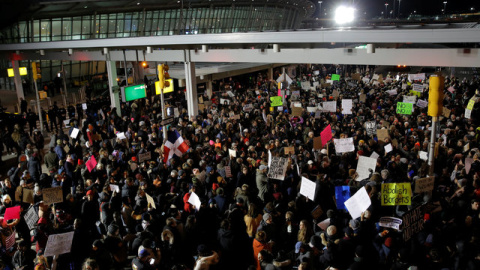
[344, 15]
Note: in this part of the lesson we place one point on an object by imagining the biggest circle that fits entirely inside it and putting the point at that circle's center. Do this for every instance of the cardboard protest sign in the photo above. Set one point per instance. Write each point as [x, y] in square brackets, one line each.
[91, 163]
[342, 194]
[67, 149]
[390, 222]
[144, 157]
[278, 168]
[297, 111]
[31, 217]
[150, 201]
[276, 101]
[371, 127]
[446, 112]
[404, 108]
[424, 184]
[396, 194]
[58, 244]
[317, 212]
[74, 133]
[27, 196]
[364, 165]
[363, 98]
[358, 203]
[326, 135]
[195, 200]
[307, 188]
[412, 222]
[357, 76]
[289, 150]
[52, 195]
[12, 213]
[347, 106]
[382, 134]
[317, 143]
[344, 145]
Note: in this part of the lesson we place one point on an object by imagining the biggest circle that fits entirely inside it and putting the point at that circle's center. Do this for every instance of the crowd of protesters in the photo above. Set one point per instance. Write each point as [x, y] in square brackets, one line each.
[246, 219]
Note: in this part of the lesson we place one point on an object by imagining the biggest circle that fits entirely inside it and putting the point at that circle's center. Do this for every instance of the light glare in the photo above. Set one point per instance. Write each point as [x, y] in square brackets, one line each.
[344, 15]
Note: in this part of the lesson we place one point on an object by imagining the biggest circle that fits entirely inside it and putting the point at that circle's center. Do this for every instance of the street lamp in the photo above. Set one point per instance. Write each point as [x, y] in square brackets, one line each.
[386, 10]
[444, 7]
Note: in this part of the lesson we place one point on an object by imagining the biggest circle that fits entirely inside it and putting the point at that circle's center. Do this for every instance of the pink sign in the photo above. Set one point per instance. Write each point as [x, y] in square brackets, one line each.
[91, 163]
[279, 92]
[12, 213]
[326, 135]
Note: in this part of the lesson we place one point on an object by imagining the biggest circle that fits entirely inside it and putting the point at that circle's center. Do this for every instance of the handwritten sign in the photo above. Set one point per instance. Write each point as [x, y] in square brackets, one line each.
[27, 196]
[335, 77]
[382, 134]
[470, 104]
[329, 106]
[364, 165]
[276, 101]
[278, 168]
[228, 171]
[388, 148]
[150, 201]
[417, 87]
[422, 103]
[396, 194]
[371, 127]
[344, 145]
[52, 195]
[91, 163]
[12, 213]
[358, 203]
[390, 222]
[347, 106]
[342, 194]
[424, 184]
[289, 150]
[446, 112]
[412, 222]
[296, 111]
[404, 108]
[307, 188]
[58, 244]
[144, 157]
[74, 133]
[115, 188]
[31, 217]
[326, 135]
[423, 155]
[121, 135]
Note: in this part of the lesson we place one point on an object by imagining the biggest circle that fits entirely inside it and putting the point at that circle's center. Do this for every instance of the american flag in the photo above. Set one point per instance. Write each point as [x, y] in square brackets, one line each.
[10, 241]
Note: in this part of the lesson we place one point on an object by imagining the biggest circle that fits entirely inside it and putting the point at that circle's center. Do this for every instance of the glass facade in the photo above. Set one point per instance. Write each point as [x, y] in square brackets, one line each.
[194, 20]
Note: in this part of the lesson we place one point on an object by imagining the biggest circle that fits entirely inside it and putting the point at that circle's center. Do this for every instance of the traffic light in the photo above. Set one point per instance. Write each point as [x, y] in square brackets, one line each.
[163, 76]
[36, 72]
[435, 96]
[166, 76]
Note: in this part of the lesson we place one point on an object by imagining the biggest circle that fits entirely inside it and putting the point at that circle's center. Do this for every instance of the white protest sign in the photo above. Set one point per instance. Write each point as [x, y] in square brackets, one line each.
[232, 153]
[375, 77]
[66, 122]
[84, 106]
[230, 93]
[121, 135]
[344, 145]
[74, 133]
[424, 184]
[358, 203]
[329, 106]
[324, 224]
[423, 155]
[388, 148]
[305, 85]
[307, 188]
[311, 109]
[347, 106]
[374, 155]
[417, 87]
[278, 168]
[416, 77]
[390, 222]
[468, 113]
[195, 201]
[115, 188]
[31, 217]
[410, 99]
[224, 101]
[365, 80]
[371, 127]
[468, 164]
[269, 158]
[392, 92]
[58, 244]
[363, 166]
[422, 103]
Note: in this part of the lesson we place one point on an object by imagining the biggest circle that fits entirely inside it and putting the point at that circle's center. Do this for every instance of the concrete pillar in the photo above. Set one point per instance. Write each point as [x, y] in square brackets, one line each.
[209, 88]
[191, 84]
[113, 87]
[270, 74]
[18, 80]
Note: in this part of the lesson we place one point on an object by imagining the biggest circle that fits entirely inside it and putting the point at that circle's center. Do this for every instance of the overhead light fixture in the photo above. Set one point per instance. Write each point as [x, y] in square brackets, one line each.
[105, 50]
[70, 51]
[42, 52]
[202, 77]
[344, 15]
[370, 48]
[149, 49]
[204, 48]
[276, 48]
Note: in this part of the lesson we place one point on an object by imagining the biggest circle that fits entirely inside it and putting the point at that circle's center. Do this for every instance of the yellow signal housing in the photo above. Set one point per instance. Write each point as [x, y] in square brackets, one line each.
[161, 78]
[435, 96]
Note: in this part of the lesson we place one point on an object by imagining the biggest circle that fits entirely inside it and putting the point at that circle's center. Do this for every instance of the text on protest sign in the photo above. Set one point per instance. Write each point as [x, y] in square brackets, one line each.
[344, 145]
[404, 108]
[382, 134]
[417, 87]
[424, 184]
[342, 194]
[52, 195]
[276, 101]
[145, 156]
[278, 168]
[396, 194]
[363, 166]
[422, 103]
[31, 217]
[347, 106]
[412, 222]
[150, 201]
[307, 188]
[390, 222]
[58, 244]
[371, 127]
[358, 203]
[329, 106]
[326, 135]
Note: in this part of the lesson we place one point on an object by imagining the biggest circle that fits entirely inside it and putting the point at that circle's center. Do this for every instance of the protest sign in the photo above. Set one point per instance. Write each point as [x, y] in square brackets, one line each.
[194, 200]
[223, 101]
[31, 217]
[12, 213]
[228, 171]
[318, 114]
[390, 222]
[324, 224]
[296, 105]
[423, 155]
[84, 106]
[150, 201]
[347, 106]
[289, 150]
[91, 163]
[66, 123]
[342, 194]
[382, 134]
[74, 133]
[67, 149]
[311, 109]
[329, 106]
[121, 135]
[52, 195]
[388, 148]
[335, 77]
[409, 99]
[344, 145]
[446, 112]
[27, 196]
[466, 147]
[470, 104]
[412, 222]
[468, 113]
[404, 108]
[278, 167]
[363, 98]
[358, 203]
[58, 244]
[396, 194]
[364, 165]
[326, 135]
[392, 92]
[371, 127]
[317, 143]
[416, 77]
[468, 164]
[422, 103]
[115, 188]
[307, 188]
[357, 76]
[335, 93]
[232, 153]
[451, 89]
[317, 212]
[416, 94]
[417, 87]
[374, 155]
[296, 111]
[424, 184]
[144, 157]
[276, 101]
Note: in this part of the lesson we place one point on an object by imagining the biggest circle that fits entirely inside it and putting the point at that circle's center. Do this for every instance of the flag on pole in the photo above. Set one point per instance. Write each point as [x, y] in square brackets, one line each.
[10, 240]
[174, 146]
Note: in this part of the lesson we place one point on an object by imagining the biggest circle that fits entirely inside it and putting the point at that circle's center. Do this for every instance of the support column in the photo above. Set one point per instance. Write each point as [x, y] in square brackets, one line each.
[270, 74]
[18, 80]
[209, 88]
[191, 84]
[113, 87]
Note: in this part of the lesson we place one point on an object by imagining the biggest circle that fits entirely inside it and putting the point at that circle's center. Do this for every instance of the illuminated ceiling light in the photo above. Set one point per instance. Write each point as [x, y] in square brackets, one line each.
[42, 52]
[344, 15]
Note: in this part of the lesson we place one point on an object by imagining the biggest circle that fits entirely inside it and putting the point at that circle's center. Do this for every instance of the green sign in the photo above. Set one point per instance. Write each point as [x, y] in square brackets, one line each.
[135, 92]
[335, 77]
[404, 108]
[276, 101]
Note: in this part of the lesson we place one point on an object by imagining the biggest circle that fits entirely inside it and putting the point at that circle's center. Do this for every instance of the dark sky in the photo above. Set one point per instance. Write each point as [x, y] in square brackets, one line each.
[424, 7]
